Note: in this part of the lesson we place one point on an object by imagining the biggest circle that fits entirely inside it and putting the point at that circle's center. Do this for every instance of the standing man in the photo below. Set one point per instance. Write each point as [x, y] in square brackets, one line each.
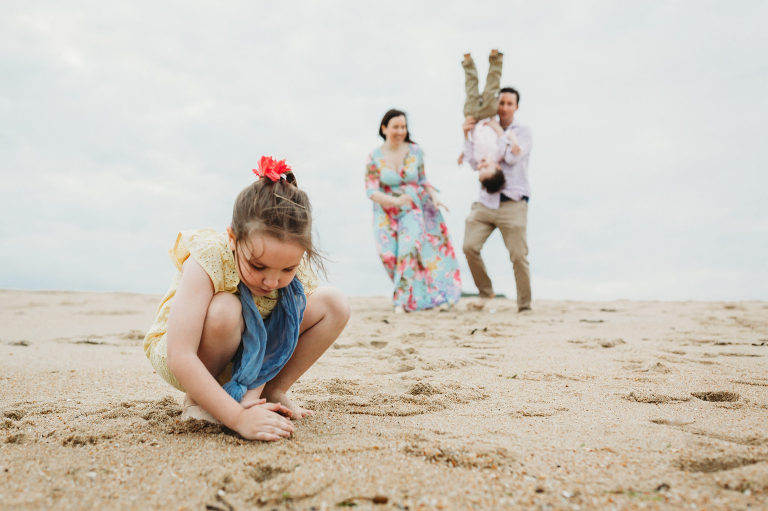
[506, 209]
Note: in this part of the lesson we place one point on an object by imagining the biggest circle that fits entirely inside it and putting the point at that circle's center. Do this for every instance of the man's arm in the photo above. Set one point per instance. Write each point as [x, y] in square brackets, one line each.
[515, 147]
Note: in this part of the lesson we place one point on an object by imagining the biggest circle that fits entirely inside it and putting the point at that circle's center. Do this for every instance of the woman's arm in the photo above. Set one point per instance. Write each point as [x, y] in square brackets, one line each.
[373, 187]
[390, 201]
[431, 190]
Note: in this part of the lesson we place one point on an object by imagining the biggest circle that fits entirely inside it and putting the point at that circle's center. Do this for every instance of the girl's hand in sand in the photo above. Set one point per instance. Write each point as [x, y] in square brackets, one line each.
[260, 421]
[275, 407]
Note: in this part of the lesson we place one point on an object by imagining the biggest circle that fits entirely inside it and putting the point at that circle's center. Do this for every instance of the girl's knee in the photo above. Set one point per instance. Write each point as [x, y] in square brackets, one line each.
[334, 304]
[224, 314]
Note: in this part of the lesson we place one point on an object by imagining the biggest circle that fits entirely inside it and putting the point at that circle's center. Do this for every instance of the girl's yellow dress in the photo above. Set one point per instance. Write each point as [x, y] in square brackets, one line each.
[210, 250]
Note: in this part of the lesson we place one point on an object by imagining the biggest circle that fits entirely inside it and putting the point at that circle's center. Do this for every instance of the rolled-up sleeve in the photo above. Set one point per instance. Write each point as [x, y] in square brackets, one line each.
[524, 140]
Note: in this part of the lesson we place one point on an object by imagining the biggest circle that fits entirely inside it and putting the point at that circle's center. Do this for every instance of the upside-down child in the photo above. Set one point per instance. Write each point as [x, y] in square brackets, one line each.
[482, 108]
[244, 319]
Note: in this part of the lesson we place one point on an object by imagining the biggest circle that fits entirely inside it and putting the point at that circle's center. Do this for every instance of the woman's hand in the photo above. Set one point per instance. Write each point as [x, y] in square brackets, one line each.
[436, 200]
[441, 205]
[403, 200]
[260, 421]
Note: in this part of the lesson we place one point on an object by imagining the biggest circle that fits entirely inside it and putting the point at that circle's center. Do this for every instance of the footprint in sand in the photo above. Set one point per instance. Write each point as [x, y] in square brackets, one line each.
[458, 455]
[16, 438]
[657, 367]
[748, 440]
[538, 412]
[673, 421]
[760, 382]
[133, 335]
[718, 396]
[654, 398]
[83, 440]
[707, 463]
[418, 398]
[29, 409]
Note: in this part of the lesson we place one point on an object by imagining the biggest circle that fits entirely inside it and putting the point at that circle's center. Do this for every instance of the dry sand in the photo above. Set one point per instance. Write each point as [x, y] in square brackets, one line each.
[577, 405]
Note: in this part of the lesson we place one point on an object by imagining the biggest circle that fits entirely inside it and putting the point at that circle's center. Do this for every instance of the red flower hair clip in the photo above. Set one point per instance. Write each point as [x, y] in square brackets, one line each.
[272, 169]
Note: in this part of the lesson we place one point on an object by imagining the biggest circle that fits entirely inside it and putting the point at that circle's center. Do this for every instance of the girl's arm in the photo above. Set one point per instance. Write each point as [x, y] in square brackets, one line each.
[185, 329]
[373, 188]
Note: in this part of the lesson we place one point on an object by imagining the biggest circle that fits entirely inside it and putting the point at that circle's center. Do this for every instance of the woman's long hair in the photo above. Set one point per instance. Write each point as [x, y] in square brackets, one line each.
[392, 113]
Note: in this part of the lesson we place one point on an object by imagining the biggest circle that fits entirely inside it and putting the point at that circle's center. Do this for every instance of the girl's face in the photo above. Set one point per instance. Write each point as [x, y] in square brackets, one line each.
[396, 131]
[265, 263]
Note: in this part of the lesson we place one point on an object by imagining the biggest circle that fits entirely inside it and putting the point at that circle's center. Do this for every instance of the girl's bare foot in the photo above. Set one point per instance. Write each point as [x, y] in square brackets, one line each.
[280, 396]
[194, 411]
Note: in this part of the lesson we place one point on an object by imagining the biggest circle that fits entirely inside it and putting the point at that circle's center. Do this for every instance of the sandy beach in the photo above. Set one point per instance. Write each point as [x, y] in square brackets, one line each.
[576, 405]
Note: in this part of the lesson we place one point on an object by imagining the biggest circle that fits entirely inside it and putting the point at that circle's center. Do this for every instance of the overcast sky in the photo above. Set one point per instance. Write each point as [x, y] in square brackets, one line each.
[123, 123]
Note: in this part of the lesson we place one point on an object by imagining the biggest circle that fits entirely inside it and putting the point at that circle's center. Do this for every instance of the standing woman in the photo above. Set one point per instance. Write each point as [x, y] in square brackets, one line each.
[411, 235]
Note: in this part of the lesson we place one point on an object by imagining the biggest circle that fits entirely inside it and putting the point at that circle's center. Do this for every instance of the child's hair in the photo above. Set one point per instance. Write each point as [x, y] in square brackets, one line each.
[494, 183]
[278, 209]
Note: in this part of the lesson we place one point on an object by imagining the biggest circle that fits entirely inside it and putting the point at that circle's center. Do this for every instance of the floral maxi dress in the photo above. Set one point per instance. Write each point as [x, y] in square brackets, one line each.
[412, 240]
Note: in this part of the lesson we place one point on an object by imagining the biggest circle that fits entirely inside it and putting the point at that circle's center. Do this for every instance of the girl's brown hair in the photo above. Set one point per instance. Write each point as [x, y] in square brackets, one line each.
[278, 209]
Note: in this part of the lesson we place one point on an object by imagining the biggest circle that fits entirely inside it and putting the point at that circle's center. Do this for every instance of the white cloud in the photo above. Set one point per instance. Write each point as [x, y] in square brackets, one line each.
[119, 127]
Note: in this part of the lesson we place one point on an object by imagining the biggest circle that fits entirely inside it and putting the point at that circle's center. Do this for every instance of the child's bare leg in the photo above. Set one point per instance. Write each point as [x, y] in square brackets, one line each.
[222, 331]
[252, 395]
[325, 317]
[471, 86]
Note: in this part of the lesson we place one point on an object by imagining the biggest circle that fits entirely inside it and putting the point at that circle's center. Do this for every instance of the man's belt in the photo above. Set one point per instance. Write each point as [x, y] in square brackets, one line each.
[504, 198]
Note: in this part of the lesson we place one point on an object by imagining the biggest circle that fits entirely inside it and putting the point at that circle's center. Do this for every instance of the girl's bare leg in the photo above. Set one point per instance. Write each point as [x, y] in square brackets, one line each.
[325, 317]
[222, 331]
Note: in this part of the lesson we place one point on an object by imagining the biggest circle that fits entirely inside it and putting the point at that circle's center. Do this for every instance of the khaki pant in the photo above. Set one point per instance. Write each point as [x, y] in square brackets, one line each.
[511, 219]
[482, 107]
